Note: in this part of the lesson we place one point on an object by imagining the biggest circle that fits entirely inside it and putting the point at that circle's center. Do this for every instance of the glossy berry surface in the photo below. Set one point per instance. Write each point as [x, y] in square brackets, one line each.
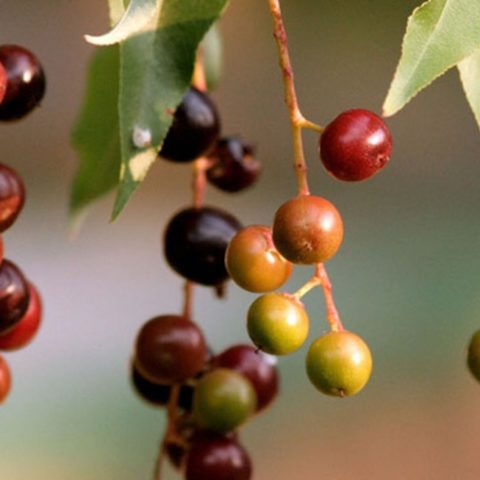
[3, 82]
[27, 327]
[170, 349]
[339, 363]
[254, 263]
[255, 365]
[195, 243]
[217, 458]
[473, 355]
[195, 128]
[5, 379]
[277, 323]
[307, 229]
[223, 400]
[12, 196]
[235, 166]
[356, 145]
[14, 295]
[25, 82]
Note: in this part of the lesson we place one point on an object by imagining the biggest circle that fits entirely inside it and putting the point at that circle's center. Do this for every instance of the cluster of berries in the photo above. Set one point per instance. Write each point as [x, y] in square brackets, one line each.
[22, 86]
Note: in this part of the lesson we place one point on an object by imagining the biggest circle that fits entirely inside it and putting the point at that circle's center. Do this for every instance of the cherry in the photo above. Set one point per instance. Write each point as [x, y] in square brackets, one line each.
[217, 457]
[356, 145]
[473, 355]
[235, 166]
[258, 367]
[170, 349]
[195, 128]
[27, 327]
[254, 263]
[339, 363]
[307, 229]
[3, 82]
[5, 379]
[12, 196]
[195, 243]
[277, 323]
[25, 82]
[223, 400]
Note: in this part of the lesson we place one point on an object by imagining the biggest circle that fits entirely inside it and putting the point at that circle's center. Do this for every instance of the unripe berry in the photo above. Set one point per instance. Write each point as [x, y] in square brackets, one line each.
[473, 355]
[5, 379]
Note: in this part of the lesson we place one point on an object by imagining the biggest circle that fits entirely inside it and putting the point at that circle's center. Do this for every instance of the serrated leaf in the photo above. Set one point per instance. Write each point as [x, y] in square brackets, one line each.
[156, 70]
[440, 33]
[95, 134]
[470, 77]
[139, 13]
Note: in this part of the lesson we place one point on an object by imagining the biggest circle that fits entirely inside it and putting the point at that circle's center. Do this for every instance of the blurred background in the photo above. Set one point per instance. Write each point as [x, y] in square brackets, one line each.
[406, 279]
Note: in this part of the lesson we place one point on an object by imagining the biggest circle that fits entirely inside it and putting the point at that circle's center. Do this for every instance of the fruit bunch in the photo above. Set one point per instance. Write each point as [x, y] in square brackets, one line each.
[22, 85]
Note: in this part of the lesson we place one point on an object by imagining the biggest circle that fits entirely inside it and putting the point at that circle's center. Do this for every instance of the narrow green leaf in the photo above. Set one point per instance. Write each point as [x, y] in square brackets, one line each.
[95, 134]
[470, 77]
[138, 14]
[156, 70]
[440, 33]
[213, 57]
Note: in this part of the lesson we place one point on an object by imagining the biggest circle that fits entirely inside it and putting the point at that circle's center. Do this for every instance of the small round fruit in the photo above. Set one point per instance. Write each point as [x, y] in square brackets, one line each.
[170, 349]
[25, 82]
[217, 458]
[27, 327]
[195, 243]
[195, 128]
[255, 365]
[356, 145]
[339, 363]
[254, 263]
[14, 295]
[277, 323]
[12, 196]
[5, 379]
[223, 400]
[473, 355]
[307, 230]
[235, 166]
[3, 82]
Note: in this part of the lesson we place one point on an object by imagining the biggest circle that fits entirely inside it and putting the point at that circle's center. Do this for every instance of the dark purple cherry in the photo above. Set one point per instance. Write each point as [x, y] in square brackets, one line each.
[25, 82]
[12, 196]
[356, 145]
[195, 128]
[170, 349]
[255, 365]
[195, 243]
[14, 295]
[217, 457]
[235, 166]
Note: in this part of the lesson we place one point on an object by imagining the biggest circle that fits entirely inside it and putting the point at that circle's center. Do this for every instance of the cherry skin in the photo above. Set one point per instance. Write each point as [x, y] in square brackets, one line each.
[356, 145]
[25, 82]
[473, 355]
[339, 363]
[12, 196]
[277, 323]
[3, 82]
[254, 263]
[5, 379]
[307, 230]
[27, 327]
[170, 349]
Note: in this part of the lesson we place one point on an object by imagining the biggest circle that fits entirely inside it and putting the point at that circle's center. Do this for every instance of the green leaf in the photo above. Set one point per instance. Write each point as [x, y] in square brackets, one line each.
[95, 134]
[470, 77]
[156, 71]
[116, 10]
[440, 33]
[213, 57]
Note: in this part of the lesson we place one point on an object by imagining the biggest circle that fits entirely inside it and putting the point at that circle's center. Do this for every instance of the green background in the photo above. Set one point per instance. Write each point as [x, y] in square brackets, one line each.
[406, 278]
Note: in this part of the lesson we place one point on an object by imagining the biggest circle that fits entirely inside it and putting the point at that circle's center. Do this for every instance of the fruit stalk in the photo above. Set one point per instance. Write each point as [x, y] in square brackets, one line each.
[333, 317]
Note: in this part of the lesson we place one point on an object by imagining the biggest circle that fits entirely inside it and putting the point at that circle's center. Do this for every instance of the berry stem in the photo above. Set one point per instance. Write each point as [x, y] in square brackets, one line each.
[315, 281]
[333, 317]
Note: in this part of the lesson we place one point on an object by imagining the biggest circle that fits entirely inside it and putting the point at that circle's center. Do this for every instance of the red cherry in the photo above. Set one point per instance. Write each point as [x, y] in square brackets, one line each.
[5, 379]
[3, 82]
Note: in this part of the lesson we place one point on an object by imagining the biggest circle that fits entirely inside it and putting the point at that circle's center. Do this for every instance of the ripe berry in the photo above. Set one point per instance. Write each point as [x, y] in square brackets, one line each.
[254, 263]
[235, 167]
[223, 400]
[195, 243]
[27, 327]
[277, 323]
[12, 196]
[307, 230]
[170, 349]
[219, 458]
[14, 295]
[195, 128]
[339, 363]
[3, 82]
[473, 355]
[5, 379]
[25, 82]
[356, 145]
[258, 367]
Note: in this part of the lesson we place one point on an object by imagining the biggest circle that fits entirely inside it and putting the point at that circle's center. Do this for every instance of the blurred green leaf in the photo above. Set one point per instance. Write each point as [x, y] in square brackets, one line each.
[470, 77]
[440, 34]
[213, 57]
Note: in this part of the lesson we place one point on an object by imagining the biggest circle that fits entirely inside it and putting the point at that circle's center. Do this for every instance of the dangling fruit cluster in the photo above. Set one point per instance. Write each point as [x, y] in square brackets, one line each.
[22, 85]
